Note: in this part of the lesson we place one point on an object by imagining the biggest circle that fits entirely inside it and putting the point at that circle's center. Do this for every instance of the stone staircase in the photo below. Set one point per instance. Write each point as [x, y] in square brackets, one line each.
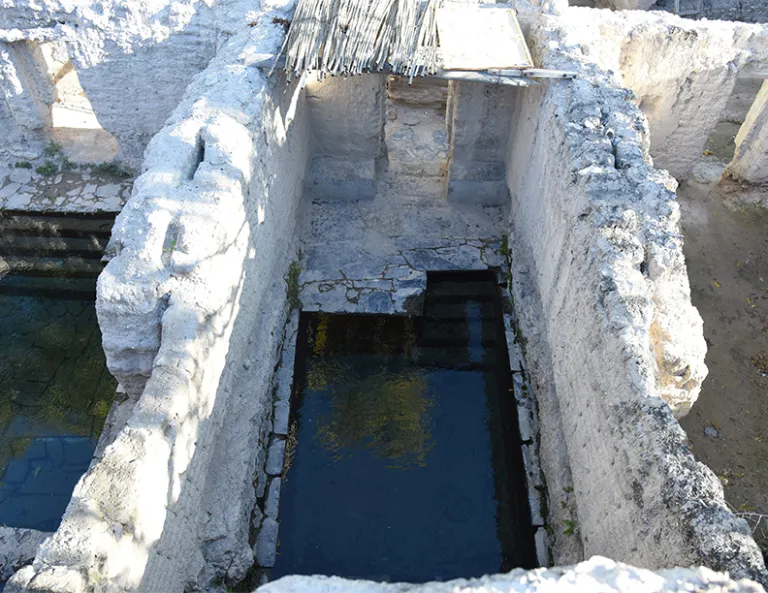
[461, 322]
[56, 255]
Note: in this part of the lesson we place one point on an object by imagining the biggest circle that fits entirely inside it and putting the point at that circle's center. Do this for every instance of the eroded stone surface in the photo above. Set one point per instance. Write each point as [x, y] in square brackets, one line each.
[17, 548]
[596, 574]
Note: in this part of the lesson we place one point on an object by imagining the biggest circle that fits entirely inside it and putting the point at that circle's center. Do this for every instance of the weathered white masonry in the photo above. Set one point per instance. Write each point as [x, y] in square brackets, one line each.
[261, 193]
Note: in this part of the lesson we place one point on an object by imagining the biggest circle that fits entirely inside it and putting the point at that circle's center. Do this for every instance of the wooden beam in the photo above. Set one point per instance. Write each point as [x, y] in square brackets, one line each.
[510, 77]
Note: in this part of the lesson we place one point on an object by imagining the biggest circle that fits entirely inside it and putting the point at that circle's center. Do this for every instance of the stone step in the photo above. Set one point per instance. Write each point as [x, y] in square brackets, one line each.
[57, 288]
[63, 267]
[455, 312]
[460, 358]
[56, 224]
[469, 290]
[91, 247]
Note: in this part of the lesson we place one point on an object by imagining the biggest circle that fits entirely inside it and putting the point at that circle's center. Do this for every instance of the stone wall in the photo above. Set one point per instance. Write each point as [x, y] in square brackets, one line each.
[683, 98]
[347, 116]
[597, 574]
[134, 60]
[189, 307]
[750, 161]
[614, 346]
[478, 124]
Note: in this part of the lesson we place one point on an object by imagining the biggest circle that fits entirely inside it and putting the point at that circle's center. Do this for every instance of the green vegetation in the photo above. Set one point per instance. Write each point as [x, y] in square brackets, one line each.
[504, 249]
[67, 165]
[570, 527]
[292, 284]
[52, 149]
[23, 165]
[48, 169]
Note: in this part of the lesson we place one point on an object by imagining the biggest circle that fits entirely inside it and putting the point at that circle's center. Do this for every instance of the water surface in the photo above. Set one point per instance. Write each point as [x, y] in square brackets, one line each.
[407, 465]
[55, 392]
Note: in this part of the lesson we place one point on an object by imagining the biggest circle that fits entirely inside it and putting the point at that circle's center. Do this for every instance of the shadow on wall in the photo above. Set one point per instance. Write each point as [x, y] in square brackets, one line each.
[133, 81]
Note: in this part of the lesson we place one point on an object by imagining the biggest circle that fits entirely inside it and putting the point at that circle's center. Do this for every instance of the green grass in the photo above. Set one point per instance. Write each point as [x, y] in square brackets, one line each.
[23, 165]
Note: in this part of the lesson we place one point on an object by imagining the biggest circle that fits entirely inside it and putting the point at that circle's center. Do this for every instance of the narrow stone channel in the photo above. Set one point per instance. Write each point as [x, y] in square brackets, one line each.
[407, 441]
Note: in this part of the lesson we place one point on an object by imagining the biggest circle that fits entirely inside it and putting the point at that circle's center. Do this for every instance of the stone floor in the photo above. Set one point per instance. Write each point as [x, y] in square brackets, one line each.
[372, 256]
[80, 190]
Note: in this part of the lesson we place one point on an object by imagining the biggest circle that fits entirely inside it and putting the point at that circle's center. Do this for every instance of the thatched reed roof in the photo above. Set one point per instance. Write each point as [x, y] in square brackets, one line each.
[348, 37]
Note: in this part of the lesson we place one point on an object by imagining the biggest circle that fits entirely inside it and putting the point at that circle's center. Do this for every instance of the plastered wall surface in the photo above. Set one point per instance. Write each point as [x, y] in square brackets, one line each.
[206, 236]
[347, 118]
[683, 97]
[597, 263]
[478, 127]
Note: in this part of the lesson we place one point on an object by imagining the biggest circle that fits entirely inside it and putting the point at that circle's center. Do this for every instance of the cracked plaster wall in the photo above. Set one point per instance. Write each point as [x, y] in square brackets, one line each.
[683, 97]
[189, 304]
[613, 344]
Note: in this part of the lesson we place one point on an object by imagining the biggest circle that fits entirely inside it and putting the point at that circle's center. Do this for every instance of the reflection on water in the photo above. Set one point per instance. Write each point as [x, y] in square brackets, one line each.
[55, 392]
[383, 409]
[407, 466]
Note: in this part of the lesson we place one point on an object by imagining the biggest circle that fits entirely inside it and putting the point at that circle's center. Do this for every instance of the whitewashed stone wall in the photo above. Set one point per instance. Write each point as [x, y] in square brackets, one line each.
[683, 98]
[134, 60]
[188, 308]
[614, 346]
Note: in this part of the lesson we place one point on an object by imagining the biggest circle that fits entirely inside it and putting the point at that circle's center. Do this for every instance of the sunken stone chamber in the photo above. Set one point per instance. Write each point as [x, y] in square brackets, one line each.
[406, 440]
[259, 198]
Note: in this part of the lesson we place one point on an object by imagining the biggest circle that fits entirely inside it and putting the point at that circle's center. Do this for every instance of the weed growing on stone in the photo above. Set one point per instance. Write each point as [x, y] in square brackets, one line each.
[23, 165]
[67, 165]
[292, 282]
[570, 527]
[504, 249]
[52, 149]
[48, 169]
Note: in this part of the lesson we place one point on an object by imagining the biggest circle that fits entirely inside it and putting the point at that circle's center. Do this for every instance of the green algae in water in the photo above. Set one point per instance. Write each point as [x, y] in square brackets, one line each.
[55, 393]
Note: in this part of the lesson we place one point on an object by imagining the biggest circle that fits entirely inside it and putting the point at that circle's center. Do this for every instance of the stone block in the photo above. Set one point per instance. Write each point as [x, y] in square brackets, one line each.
[275, 457]
[272, 504]
[265, 550]
[282, 415]
[541, 541]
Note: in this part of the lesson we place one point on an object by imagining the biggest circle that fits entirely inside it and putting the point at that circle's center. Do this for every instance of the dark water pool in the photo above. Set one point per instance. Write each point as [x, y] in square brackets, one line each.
[55, 392]
[407, 465]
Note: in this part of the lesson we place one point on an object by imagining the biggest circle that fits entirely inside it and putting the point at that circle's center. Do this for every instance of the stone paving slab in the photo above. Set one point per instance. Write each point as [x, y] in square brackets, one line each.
[372, 256]
[68, 191]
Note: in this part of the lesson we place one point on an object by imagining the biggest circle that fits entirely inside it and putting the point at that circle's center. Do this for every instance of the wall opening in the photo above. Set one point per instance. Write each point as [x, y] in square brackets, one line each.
[406, 440]
[73, 124]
